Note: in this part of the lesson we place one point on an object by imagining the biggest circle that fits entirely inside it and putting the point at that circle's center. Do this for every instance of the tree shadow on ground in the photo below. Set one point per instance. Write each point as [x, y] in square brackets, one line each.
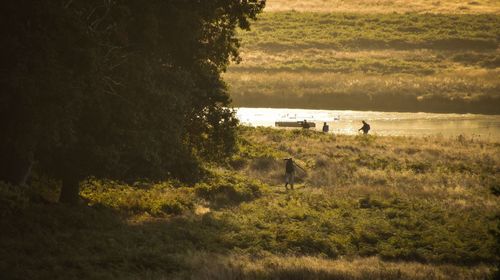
[47, 241]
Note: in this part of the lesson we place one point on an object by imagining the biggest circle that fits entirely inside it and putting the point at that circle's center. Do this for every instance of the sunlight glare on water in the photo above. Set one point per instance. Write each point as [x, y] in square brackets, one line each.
[485, 127]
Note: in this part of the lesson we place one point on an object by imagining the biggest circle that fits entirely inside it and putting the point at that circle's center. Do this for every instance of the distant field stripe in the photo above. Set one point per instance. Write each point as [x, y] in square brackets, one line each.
[387, 6]
[288, 30]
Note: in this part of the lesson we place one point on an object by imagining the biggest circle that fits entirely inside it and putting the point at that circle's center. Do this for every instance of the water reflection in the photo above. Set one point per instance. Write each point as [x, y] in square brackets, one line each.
[485, 127]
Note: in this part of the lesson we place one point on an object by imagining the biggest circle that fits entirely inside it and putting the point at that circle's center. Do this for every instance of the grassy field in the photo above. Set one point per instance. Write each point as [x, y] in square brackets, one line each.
[367, 208]
[386, 6]
[370, 61]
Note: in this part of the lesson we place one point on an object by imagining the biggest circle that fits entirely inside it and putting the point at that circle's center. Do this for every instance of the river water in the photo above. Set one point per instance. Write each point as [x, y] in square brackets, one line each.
[484, 127]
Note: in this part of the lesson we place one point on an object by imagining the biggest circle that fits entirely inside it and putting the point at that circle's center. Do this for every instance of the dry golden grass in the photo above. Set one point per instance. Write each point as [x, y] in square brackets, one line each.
[461, 82]
[255, 57]
[334, 162]
[417, 62]
[210, 266]
[369, 208]
[386, 6]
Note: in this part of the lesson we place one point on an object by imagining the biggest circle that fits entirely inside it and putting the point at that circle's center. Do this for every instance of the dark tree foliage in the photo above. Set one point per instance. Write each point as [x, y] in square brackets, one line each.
[121, 89]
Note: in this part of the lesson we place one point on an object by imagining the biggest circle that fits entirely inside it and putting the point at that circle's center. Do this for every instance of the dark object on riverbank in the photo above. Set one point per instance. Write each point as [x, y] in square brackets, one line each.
[293, 124]
[326, 128]
[305, 125]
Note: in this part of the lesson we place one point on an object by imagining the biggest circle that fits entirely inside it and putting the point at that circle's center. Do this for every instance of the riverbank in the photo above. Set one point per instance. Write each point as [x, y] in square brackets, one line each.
[367, 208]
[471, 126]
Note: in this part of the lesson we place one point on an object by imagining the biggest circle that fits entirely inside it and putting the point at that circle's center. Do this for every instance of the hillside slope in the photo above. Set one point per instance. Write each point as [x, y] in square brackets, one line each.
[367, 208]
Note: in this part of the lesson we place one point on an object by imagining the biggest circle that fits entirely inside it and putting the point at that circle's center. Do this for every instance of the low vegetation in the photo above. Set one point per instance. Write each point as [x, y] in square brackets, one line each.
[368, 208]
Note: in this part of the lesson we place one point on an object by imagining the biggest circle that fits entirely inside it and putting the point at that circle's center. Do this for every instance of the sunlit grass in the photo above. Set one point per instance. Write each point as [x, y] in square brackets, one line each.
[415, 62]
[458, 90]
[386, 6]
[373, 31]
[369, 207]
[234, 266]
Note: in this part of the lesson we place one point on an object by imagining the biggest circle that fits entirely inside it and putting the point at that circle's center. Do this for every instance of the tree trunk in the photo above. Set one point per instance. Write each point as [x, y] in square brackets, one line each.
[70, 191]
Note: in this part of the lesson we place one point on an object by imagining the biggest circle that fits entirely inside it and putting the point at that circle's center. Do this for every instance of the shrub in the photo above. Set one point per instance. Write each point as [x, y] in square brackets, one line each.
[229, 189]
[156, 199]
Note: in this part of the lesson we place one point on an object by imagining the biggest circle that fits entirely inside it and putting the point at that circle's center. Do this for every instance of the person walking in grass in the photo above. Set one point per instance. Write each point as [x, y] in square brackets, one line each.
[365, 128]
[290, 172]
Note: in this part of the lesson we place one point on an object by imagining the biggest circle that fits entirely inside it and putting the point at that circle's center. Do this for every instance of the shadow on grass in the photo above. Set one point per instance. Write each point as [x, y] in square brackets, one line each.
[56, 241]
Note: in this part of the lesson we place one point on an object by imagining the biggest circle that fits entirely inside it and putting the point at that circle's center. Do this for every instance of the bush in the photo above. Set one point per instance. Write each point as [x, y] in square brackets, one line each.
[229, 189]
[156, 199]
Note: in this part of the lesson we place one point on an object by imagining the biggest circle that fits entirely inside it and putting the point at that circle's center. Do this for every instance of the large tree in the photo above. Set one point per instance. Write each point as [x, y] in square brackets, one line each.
[122, 89]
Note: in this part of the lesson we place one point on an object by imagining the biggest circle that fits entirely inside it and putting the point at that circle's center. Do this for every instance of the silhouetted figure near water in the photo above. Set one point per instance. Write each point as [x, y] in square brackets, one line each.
[305, 125]
[326, 128]
[365, 128]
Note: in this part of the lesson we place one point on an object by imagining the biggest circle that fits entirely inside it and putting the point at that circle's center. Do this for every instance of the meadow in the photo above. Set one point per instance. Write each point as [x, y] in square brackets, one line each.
[386, 6]
[369, 61]
[368, 207]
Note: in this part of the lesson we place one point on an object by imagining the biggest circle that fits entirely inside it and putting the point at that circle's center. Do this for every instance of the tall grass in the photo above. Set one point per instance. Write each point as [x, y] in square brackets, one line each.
[235, 266]
[461, 91]
[367, 208]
